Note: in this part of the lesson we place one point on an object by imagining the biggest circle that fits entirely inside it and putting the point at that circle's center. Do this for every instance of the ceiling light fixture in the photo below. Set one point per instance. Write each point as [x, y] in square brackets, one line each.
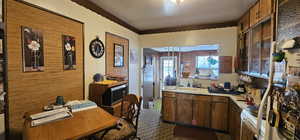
[177, 1]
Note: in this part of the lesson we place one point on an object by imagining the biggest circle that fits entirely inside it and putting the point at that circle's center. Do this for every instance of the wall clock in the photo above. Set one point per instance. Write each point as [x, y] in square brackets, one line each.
[97, 48]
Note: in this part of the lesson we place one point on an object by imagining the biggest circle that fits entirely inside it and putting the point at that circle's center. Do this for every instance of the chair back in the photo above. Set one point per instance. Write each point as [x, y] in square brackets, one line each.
[130, 109]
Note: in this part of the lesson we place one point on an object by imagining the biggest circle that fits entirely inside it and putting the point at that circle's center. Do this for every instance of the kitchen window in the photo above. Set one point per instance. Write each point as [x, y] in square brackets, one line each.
[207, 67]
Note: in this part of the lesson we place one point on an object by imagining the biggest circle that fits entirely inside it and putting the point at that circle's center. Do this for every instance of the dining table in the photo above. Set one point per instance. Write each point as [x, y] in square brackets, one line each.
[82, 124]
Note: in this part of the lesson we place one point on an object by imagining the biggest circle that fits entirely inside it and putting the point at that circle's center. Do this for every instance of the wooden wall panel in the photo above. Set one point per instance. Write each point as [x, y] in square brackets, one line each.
[109, 53]
[225, 64]
[31, 91]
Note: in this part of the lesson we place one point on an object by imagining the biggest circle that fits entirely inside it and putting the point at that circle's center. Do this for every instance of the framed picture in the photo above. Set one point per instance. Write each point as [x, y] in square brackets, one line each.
[32, 49]
[69, 52]
[118, 55]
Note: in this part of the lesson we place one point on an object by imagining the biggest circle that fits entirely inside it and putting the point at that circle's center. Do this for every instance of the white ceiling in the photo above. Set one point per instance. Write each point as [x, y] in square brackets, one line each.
[153, 14]
[187, 48]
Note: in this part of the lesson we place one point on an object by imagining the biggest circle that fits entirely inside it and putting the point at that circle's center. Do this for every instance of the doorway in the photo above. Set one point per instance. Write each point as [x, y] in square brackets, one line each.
[168, 70]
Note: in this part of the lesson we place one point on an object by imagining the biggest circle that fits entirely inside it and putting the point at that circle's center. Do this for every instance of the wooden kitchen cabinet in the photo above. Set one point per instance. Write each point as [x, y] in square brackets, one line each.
[234, 121]
[261, 10]
[266, 47]
[255, 50]
[244, 23]
[247, 133]
[219, 115]
[259, 59]
[184, 108]
[169, 106]
[254, 14]
[266, 7]
[196, 110]
[202, 111]
[243, 52]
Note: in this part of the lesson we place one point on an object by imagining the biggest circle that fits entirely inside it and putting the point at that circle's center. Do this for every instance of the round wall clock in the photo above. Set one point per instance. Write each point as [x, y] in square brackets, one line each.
[97, 48]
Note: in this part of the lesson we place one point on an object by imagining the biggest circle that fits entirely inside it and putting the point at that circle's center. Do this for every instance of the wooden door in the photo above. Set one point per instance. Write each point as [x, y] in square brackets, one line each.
[237, 123]
[184, 111]
[254, 14]
[219, 115]
[202, 111]
[247, 133]
[169, 107]
[244, 23]
[232, 121]
[266, 7]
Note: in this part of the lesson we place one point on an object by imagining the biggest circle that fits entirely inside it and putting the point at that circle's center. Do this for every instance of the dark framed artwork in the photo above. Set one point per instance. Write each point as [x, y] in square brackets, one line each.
[118, 55]
[69, 52]
[32, 50]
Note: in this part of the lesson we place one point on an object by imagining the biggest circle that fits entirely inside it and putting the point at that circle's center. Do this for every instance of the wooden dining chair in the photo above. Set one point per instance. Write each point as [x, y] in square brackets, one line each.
[128, 123]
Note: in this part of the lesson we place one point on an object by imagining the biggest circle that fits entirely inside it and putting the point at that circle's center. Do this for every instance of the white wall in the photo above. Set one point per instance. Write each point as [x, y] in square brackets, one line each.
[225, 37]
[95, 25]
[98, 25]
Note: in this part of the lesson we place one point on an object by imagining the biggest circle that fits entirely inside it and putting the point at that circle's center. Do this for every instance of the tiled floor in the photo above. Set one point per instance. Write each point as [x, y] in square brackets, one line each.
[152, 128]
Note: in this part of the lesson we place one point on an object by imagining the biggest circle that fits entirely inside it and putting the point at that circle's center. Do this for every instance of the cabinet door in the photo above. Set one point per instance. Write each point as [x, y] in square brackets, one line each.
[254, 14]
[202, 111]
[184, 111]
[265, 8]
[243, 52]
[266, 47]
[244, 23]
[247, 133]
[232, 121]
[169, 108]
[219, 116]
[255, 50]
[237, 123]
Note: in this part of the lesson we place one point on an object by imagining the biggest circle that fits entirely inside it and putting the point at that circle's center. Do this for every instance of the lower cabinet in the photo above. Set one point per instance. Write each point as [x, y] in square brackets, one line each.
[169, 107]
[202, 111]
[247, 133]
[184, 111]
[219, 115]
[234, 121]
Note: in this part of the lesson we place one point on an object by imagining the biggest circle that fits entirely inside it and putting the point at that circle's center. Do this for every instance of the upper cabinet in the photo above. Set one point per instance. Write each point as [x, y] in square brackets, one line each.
[255, 37]
[261, 10]
[266, 7]
[244, 23]
[254, 14]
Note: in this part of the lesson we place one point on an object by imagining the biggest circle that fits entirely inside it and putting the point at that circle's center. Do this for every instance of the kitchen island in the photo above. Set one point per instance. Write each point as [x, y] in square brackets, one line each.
[200, 108]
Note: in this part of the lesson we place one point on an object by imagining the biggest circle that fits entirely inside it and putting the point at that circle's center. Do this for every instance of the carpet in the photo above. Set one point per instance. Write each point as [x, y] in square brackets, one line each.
[194, 133]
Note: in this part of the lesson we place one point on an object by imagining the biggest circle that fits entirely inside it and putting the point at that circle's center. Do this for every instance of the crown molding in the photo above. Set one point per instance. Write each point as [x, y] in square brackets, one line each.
[190, 27]
[93, 7]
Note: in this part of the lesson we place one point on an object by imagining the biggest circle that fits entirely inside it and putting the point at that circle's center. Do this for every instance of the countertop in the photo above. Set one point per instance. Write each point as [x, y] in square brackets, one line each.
[246, 116]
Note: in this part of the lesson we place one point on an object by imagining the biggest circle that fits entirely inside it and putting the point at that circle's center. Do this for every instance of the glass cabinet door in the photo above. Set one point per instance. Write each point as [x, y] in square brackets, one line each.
[243, 52]
[265, 48]
[255, 50]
